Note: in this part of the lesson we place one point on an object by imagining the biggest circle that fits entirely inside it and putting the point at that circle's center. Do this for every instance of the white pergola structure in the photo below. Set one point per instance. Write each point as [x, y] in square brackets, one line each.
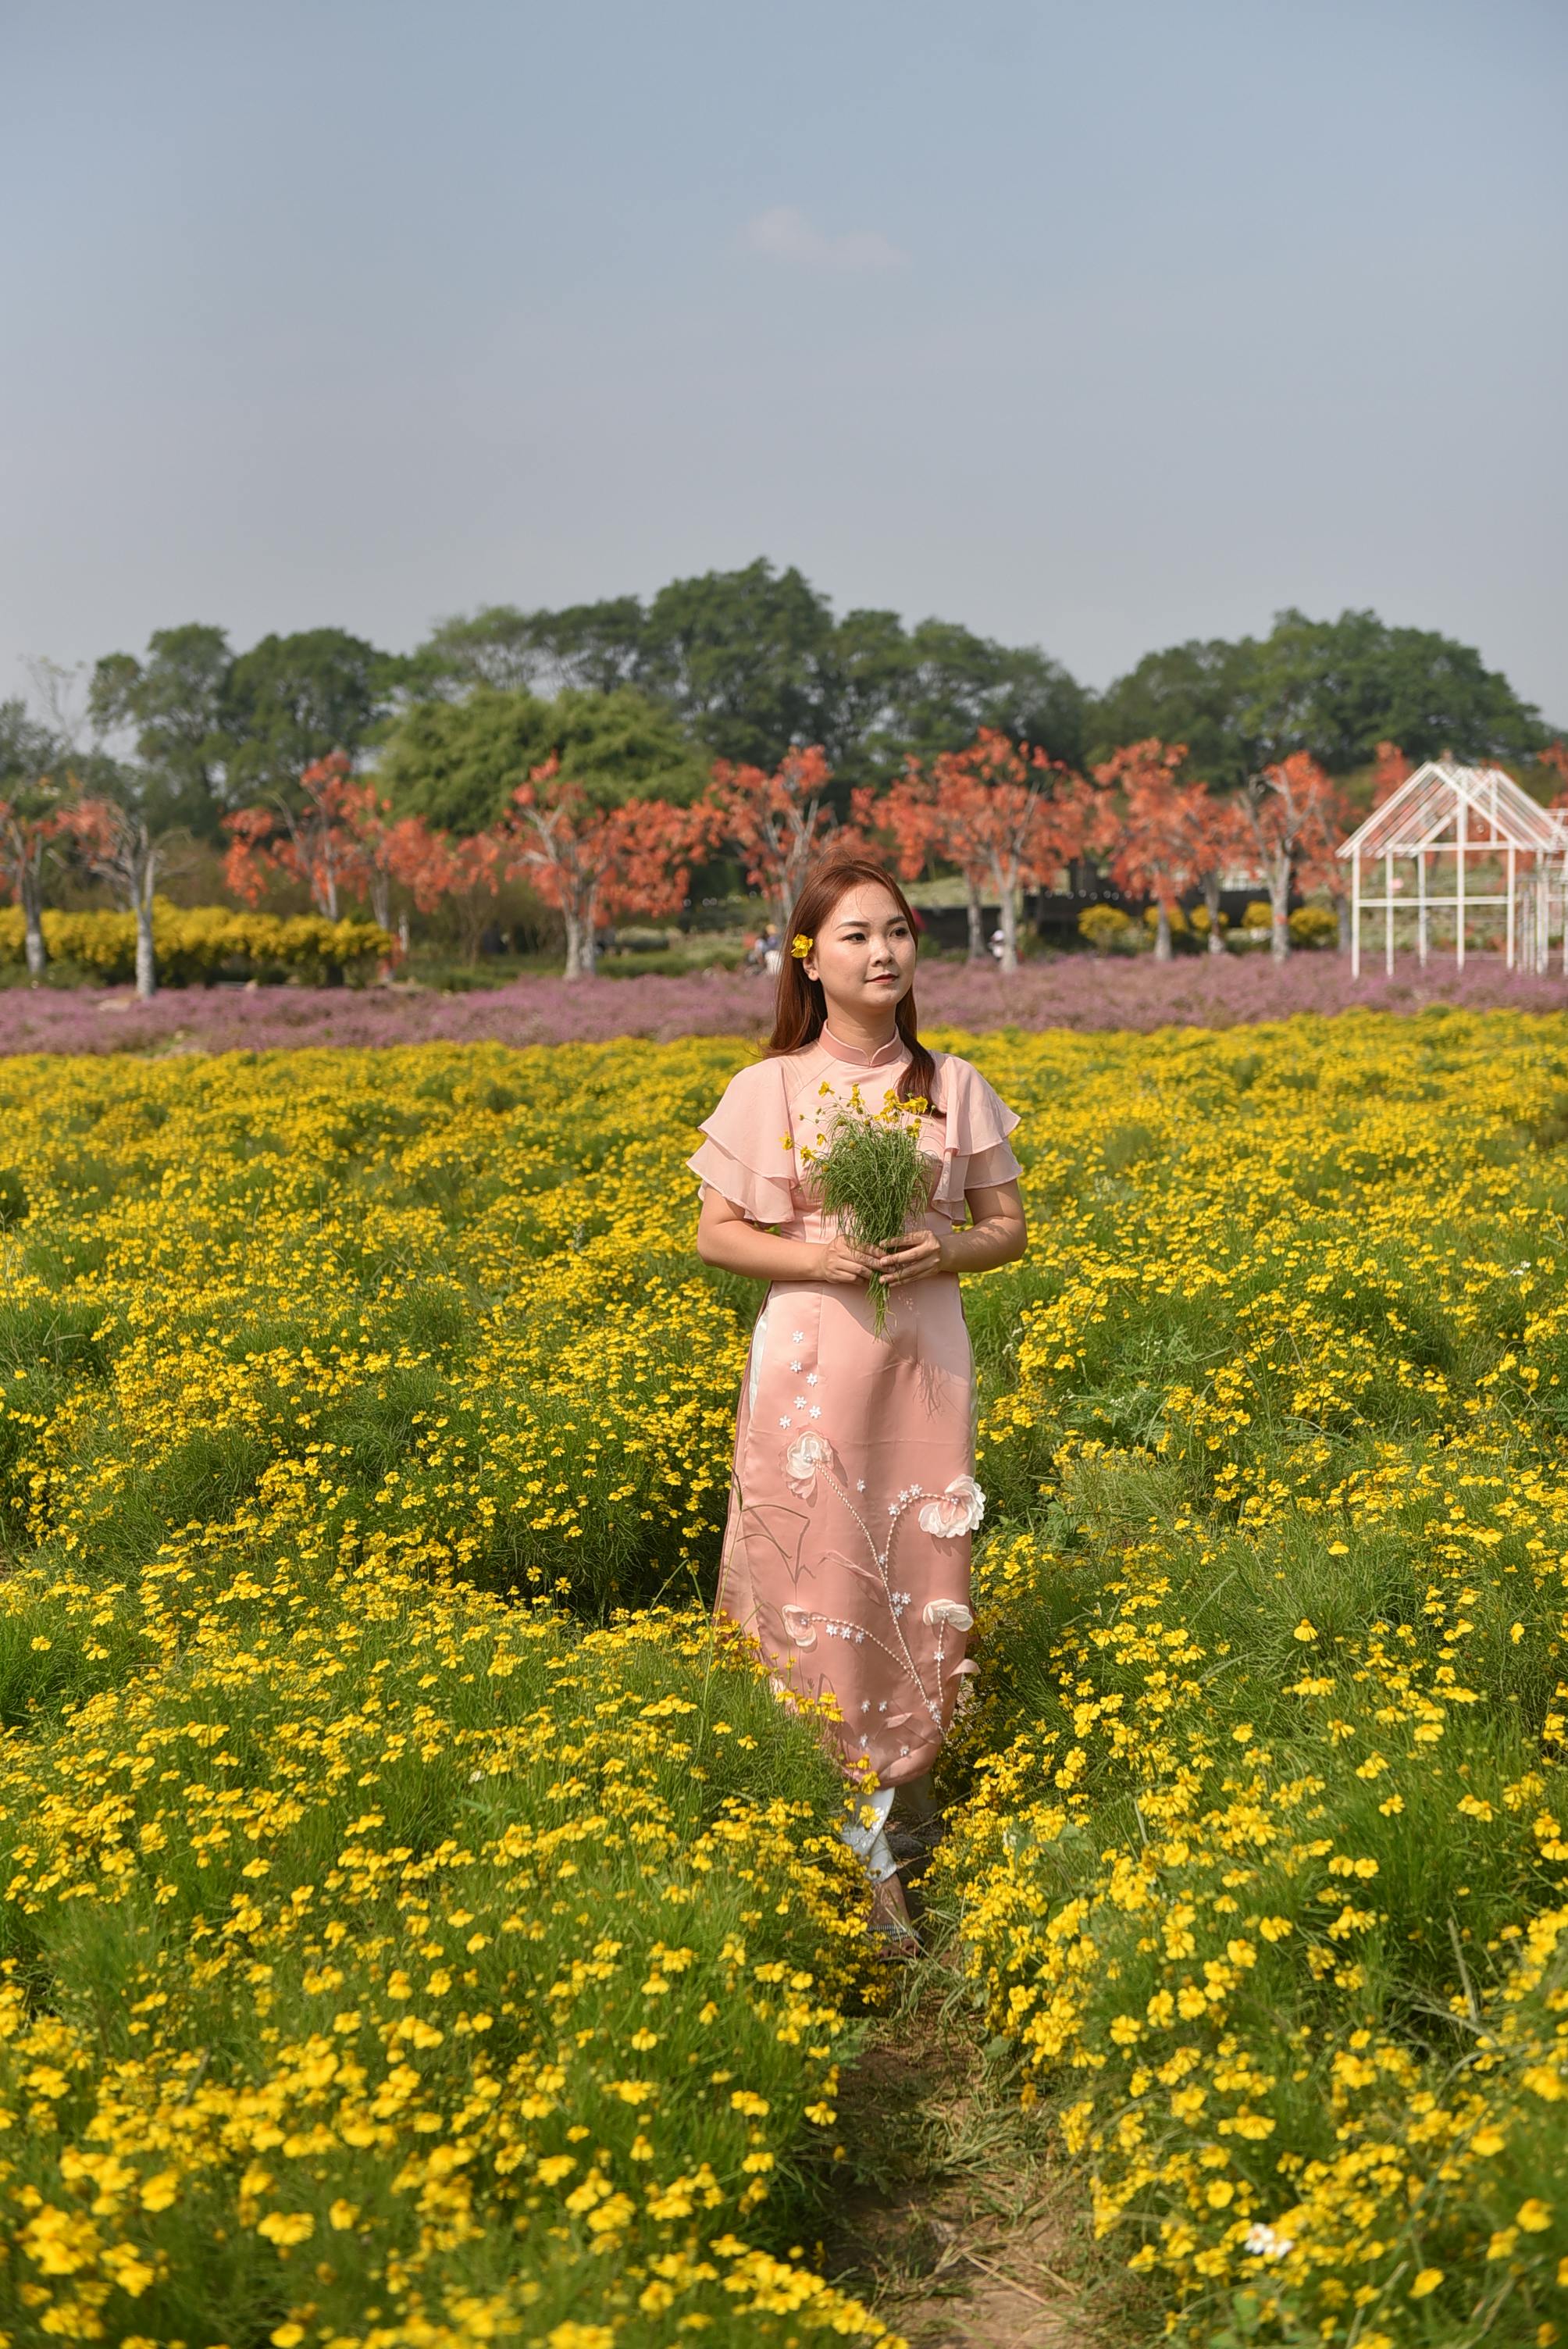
[1506, 851]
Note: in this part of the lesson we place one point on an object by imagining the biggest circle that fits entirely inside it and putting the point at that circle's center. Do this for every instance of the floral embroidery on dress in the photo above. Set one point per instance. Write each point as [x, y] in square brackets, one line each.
[946, 1516]
[799, 1624]
[801, 1461]
[956, 1511]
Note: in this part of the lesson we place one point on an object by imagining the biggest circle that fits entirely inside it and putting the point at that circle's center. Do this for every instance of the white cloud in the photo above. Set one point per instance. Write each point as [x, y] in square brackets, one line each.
[784, 234]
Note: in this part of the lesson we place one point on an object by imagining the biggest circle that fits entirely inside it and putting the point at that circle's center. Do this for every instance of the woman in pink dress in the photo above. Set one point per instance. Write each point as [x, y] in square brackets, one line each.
[846, 1555]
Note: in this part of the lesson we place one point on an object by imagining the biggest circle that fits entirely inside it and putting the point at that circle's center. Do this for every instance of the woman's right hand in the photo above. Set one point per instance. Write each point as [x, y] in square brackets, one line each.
[841, 1263]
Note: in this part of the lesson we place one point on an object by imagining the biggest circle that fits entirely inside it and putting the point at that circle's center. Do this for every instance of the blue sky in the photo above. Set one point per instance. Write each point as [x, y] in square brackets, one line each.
[1096, 326]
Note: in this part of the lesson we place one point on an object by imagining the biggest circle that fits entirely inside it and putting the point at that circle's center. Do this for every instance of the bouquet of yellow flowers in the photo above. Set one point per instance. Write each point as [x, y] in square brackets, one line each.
[871, 1176]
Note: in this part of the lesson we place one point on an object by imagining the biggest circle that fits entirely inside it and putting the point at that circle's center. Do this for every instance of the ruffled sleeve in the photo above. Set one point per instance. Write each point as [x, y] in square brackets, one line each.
[975, 1152]
[747, 1153]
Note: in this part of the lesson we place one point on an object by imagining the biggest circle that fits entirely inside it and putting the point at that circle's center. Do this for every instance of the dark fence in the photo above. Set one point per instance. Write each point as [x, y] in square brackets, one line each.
[1053, 917]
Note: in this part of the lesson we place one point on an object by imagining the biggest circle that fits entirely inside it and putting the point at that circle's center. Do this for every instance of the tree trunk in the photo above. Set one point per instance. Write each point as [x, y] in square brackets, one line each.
[472, 909]
[1008, 917]
[1212, 900]
[976, 921]
[1163, 931]
[573, 943]
[381, 898]
[588, 942]
[403, 933]
[1279, 907]
[146, 962]
[33, 925]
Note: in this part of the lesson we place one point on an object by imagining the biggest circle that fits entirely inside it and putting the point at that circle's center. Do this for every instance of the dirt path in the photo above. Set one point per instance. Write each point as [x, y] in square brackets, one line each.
[954, 2226]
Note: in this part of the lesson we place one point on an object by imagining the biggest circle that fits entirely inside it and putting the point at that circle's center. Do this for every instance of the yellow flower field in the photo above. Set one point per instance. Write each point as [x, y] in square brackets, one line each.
[416, 1931]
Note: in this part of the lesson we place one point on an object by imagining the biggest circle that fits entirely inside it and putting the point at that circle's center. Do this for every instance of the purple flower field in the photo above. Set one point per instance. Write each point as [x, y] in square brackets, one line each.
[1071, 991]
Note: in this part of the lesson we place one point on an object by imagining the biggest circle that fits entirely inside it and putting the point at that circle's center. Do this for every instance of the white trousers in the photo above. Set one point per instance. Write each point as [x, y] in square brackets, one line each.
[869, 1841]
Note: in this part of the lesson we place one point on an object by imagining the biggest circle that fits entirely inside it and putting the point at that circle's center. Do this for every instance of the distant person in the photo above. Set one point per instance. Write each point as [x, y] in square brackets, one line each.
[772, 952]
[997, 943]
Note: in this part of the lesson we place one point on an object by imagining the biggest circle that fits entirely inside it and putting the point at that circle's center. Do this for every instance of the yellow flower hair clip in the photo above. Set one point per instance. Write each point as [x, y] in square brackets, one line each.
[800, 946]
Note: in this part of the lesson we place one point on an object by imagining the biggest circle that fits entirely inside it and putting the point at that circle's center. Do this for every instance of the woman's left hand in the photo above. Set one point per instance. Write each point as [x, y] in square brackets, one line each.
[914, 1255]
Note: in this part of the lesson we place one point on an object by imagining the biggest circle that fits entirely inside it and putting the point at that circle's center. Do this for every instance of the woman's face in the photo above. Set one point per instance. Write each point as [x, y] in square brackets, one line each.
[864, 955]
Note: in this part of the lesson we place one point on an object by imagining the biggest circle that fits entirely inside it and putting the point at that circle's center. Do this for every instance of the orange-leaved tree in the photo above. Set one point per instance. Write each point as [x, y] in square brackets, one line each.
[31, 825]
[1390, 768]
[1330, 819]
[1221, 843]
[313, 843]
[900, 824]
[1169, 836]
[1555, 757]
[117, 845]
[1008, 818]
[916, 831]
[1290, 812]
[467, 872]
[591, 862]
[393, 849]
[778, 824]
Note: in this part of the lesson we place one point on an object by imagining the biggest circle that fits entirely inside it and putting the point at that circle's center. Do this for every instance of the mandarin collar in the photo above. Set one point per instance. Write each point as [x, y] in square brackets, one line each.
[856, 1054]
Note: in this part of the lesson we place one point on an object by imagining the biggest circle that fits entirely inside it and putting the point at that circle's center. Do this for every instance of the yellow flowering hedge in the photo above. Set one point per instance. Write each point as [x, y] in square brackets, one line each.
[345, 1392]
[198, 943]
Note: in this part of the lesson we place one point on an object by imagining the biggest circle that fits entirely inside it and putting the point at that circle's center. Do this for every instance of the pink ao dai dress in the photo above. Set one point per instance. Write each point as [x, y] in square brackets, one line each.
[853, 1499]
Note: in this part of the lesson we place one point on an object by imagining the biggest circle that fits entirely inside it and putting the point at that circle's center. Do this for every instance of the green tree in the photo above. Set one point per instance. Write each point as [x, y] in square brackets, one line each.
[1338, 687]
[753, 662]
[867, 674]
[30, 754]
[959, 683]
[1189, 693]
[456, 763]
[496, 647]
[595, 648]
[176, 702]
[744, 657]
[295, 699]
[1333, 688]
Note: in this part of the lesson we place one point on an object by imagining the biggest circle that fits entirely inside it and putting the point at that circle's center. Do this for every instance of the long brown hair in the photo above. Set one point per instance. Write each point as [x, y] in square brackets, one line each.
[800, 1008]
